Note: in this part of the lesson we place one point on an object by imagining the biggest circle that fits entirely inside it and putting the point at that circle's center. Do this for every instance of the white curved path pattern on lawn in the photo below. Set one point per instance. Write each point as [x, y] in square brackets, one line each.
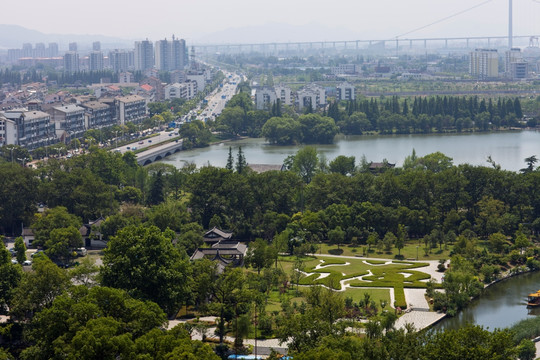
[415, 298]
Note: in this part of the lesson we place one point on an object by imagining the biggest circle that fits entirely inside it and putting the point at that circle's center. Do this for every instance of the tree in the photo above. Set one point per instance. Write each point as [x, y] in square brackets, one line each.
[305, 163]
[526, 349]
[389, 240]
[97, 323]
[229, 297]
[20, 250]
[10, 276]
[62, 243]
[241, 163]
[143, 261]
[232, 120]
[51, 219]
[230, 161]
[336, 236]
[38, 289]
[521, 242]
[400, 238]
[260, 255]
[317, 129]
[156, 189]
[170, 214]
[85, 273]
[343, 165]
[282, 130]
[496, 242]
[18, 196]
[531, 161]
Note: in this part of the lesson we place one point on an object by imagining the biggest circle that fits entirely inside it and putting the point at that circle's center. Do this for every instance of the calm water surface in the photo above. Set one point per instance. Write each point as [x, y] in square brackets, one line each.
[507, 149]
[500, 306]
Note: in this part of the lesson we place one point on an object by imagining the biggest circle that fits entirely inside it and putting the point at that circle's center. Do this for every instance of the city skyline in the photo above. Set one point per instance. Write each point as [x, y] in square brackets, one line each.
[198, 22]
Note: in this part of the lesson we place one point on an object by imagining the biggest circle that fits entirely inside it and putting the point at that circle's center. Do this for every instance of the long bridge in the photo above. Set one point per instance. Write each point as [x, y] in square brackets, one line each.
[396, 43]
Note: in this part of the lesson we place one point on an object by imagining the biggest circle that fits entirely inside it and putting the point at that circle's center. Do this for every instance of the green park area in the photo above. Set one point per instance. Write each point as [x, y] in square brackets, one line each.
[354, 277]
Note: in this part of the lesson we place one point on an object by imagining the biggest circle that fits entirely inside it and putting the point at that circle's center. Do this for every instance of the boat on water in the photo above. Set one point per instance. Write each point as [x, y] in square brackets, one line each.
[534, 299]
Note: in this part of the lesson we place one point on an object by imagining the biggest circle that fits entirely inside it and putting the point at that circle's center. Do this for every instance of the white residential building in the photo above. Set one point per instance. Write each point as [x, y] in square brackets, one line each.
[345, 91]
[186, 90]
[283, 93]
[484, 63]
[199, 77]
[265, 97]
[345, 69]
[311, 94]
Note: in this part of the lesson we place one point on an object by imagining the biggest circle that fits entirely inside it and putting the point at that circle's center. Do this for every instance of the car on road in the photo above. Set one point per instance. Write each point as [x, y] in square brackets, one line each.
[141, 142]
[27, 263]
[14, 262]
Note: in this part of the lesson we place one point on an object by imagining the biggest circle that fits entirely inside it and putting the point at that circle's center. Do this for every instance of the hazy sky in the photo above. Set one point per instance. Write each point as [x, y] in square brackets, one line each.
[191, 19]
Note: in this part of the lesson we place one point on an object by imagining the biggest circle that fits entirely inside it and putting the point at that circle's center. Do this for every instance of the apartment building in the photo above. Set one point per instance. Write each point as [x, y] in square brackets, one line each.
[345, 91]
[68, 121]
[30, 129]
[97, 115]
[311, 94]
[131, 108]
[186, 90]
[484, 63]
[144, 55]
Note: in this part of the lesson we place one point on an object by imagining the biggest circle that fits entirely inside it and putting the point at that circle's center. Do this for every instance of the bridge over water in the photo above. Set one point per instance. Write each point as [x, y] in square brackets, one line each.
[159, 152]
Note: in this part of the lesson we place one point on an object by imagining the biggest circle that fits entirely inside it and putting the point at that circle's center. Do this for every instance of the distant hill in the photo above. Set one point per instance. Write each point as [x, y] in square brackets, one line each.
[278, 32]
[13, 36]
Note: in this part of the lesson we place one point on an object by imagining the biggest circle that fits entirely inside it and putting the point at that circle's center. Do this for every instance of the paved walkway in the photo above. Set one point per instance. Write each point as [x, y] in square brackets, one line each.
[419, 319]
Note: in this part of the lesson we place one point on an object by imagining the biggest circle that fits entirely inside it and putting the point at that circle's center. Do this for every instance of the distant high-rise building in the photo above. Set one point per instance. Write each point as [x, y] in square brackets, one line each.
[163, 55]
[96, 46]
[512, 55]
[14, 55]
[484, 63]
[40, 51]
[53, 50]
[170, 55]
[71, 62]
[27, 50]
[144, 55]
[73, 46]
[96, 61]
[119, 60]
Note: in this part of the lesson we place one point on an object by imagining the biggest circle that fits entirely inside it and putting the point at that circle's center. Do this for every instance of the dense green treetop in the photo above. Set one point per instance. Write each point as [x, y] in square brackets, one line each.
[143, 261]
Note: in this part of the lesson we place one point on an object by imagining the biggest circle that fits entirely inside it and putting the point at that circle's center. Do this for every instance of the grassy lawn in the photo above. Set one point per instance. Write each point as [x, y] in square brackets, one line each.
[409, 251]
[357, 294]
[397, 275]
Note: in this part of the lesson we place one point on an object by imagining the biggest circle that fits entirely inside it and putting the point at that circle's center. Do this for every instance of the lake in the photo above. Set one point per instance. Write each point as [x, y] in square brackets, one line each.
[501, 305]
[508, 149]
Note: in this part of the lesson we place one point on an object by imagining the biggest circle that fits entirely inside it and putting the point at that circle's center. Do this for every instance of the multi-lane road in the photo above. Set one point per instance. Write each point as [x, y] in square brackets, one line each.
[216, 102]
